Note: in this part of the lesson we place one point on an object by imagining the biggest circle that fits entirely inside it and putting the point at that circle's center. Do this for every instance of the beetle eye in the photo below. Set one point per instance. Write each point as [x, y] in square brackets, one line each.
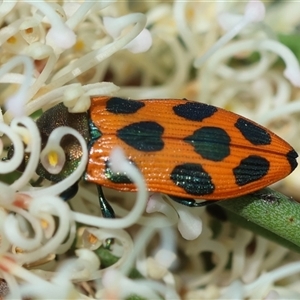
[53, 158]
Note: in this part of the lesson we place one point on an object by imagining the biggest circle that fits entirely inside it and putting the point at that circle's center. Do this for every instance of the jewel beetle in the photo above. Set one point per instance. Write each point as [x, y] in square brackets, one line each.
[185, 149]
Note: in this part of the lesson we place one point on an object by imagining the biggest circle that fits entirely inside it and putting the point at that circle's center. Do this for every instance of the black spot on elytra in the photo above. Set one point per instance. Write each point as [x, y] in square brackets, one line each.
[194, 111]
[143, 136]
[211, 143]
[253, 133]
[116, 177]
[251, 169]
[117, 105]
[193, 179]
[291, 156]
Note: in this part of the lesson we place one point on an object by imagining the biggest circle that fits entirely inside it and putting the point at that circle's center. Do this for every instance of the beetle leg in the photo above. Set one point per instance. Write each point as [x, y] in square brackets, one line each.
[190, 202]
[38, 182]
[107, 212]
[106, 209]
[69, 192]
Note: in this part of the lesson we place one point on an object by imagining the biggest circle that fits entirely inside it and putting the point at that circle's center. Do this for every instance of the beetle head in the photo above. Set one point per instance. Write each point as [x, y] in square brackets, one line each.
[55, 117]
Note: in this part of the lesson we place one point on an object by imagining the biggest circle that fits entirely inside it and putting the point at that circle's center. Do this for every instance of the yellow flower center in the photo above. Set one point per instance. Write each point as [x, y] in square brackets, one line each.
[53, 158]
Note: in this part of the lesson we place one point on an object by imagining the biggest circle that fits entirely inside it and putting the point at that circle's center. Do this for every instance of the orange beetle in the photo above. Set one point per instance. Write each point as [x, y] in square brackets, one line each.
[183, 148]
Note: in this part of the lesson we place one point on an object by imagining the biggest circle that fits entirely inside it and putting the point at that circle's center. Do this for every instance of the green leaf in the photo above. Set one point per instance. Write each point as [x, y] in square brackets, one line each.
[268, 213]
[292, 42]
[10, 178]
[107, 259]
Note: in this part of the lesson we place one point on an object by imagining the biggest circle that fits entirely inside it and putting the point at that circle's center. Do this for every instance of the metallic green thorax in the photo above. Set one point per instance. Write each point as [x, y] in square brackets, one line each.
[95, 134]
[56, 117]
